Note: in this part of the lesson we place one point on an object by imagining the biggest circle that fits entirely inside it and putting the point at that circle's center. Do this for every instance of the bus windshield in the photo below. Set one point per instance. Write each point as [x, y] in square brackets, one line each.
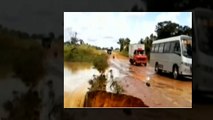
[205, 29]
[187, 48]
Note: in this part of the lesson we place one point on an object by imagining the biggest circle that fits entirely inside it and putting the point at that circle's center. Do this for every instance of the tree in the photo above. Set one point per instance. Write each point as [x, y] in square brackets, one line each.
[73, 40]
[121, 42]
[153, 37]
[126, 43]
[111, 48]
[168, 29]
[81, 41]
[141, 41]
[187, 31]
[148, 45]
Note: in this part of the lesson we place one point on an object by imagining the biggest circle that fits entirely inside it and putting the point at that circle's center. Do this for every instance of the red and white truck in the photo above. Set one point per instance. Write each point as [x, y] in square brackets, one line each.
[137, 54]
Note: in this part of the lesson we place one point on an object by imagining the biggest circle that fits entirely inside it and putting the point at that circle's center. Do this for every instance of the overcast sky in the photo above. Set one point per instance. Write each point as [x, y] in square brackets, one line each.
[105, 28]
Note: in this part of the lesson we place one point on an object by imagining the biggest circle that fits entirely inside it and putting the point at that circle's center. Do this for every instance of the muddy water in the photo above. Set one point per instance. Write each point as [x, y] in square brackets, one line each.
[76, 77]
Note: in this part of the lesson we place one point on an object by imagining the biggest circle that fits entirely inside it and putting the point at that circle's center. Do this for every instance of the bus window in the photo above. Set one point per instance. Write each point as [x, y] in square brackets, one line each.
[153, 48]
[187, 48]
[177, 47]
[161, 47]
[166, 47]
[156, 47]
[172, 44]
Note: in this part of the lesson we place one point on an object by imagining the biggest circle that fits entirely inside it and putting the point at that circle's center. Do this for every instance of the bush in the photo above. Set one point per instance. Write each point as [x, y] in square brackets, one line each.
[116, 87]
[80, 53]
[98, 83]
[100, 63]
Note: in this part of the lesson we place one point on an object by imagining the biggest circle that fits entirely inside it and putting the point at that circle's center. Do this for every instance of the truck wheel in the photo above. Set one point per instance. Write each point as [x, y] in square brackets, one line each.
[131, 61]
[144, 64]
[175, 72]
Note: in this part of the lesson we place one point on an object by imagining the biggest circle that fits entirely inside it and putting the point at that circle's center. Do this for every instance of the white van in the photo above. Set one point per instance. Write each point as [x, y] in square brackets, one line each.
[173, 55]
[203, 50]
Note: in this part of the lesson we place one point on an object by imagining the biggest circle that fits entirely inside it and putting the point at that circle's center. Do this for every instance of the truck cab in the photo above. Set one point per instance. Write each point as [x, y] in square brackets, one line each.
[139, 57]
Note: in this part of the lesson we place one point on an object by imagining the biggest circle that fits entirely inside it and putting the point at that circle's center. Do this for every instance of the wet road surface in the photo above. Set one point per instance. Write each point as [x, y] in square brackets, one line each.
[164, 91]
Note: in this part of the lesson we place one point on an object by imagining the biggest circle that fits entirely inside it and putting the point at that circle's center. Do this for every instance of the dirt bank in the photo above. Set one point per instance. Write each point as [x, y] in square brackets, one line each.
[106, 99]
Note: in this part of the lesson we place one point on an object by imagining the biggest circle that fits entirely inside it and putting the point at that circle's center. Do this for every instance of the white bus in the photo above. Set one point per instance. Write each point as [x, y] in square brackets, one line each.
[173, 55]
[203, 50]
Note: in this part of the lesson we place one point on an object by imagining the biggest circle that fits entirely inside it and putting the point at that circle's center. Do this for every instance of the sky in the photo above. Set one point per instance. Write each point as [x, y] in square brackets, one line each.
[103, 29]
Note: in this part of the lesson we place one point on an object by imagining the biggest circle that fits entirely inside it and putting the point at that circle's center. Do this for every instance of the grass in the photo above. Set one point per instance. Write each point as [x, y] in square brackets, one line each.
[86, 53]
[81, 53]
[124, 53]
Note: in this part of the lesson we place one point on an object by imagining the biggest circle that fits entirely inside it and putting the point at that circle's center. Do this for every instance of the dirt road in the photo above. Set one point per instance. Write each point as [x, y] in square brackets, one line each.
[164, 91]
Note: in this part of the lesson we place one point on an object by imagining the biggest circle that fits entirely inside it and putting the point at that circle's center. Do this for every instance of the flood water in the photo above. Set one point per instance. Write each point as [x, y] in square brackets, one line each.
[76, 77]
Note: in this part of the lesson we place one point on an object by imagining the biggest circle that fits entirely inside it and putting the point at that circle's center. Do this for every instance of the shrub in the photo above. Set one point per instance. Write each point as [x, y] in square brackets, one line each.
[98, 83]
[100, 63]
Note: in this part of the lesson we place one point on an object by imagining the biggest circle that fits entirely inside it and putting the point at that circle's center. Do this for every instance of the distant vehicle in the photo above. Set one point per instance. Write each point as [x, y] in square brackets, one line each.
[173, 55]
[137, 54]
[203, 50]
[109, 51]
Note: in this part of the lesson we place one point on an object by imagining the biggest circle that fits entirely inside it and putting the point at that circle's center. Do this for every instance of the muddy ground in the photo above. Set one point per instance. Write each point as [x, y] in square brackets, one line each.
[163, 91]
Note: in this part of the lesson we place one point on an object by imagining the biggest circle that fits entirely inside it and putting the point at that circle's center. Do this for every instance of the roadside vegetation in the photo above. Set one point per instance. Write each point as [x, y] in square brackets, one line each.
[82, 53]
[124, 46]
[124, 53]
[98, 83]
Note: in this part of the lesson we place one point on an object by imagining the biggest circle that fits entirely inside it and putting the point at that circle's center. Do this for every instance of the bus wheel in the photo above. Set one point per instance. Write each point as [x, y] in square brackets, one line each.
[175, 72]
[157, 70]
